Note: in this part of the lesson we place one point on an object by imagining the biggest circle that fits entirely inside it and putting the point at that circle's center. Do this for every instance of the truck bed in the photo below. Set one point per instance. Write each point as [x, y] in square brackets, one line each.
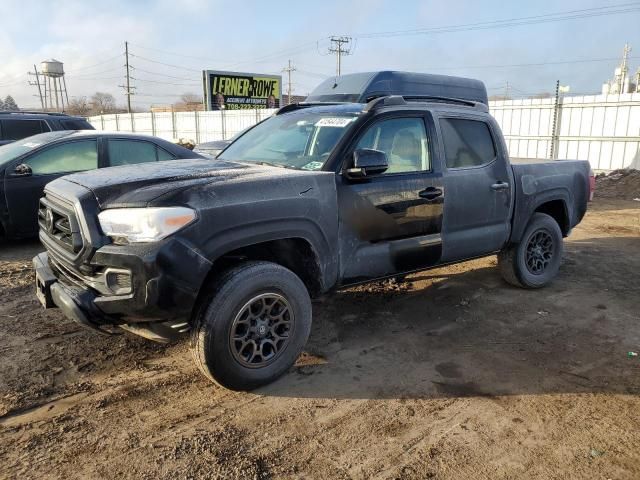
[538, 179]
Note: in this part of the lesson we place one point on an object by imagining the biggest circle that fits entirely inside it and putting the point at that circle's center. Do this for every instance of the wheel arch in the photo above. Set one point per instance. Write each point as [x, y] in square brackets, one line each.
[556, 203]
[556, 209]
[299, 246]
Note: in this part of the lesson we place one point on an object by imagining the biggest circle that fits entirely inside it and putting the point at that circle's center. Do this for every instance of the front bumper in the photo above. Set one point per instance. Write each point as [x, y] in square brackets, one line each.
[75, 304]
[165, 281]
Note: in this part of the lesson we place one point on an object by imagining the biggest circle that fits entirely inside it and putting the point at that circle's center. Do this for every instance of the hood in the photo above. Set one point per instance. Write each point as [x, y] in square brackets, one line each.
[138, 185]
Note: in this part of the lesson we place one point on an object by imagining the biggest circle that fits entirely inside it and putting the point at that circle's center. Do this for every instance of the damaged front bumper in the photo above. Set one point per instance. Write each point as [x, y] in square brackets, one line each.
[147, 289]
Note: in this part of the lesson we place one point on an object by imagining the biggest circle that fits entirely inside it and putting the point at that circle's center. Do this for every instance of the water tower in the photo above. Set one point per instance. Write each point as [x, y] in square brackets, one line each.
[54, 91]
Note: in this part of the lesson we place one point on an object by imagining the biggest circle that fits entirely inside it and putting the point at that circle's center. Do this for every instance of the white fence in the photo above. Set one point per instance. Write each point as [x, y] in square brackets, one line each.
[197, 126]
[605, 129]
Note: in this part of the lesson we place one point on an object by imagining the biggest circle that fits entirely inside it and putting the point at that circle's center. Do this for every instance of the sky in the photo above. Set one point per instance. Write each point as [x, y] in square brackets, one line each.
[172, 41]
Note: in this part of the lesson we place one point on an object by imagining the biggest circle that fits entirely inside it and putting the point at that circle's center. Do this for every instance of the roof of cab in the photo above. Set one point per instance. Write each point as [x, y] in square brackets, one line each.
[363, 87]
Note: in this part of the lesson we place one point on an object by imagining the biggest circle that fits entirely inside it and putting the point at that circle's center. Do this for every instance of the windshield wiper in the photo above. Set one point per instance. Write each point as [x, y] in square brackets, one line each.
[280, 165]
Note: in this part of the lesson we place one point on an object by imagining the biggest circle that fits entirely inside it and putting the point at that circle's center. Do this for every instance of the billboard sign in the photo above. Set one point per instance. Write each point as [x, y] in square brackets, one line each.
[235, 91]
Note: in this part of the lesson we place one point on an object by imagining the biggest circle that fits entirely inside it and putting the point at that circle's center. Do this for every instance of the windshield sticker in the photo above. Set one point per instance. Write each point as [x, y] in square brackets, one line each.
[312, 166]
[334, 122]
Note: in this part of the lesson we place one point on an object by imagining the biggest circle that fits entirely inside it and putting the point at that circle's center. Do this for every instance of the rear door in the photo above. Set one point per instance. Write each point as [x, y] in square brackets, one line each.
[390, 223]
[17, 129]
[125, 151]
[478, 182]
[24, 189]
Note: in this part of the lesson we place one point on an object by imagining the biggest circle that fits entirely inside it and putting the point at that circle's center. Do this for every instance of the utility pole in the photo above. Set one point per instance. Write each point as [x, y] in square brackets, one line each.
[554, 124]
[507, 91]
[340, 50]
[128, 88]
[288, 70]
[35, 72]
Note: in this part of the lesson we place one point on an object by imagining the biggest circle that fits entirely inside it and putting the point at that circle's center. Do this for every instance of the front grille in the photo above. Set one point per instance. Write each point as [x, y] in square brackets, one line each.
[59, 224]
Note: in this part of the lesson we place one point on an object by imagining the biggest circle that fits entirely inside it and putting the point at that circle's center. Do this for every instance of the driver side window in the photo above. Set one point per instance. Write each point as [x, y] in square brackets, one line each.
[405, 142]
[69, 157]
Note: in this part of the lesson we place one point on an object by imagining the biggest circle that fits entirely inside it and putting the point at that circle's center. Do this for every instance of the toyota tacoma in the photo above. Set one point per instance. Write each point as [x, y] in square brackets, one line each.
[374, 176]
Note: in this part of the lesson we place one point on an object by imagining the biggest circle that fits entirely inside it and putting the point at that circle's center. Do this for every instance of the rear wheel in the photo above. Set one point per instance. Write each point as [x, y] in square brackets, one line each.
[253, 325]
[535, 261]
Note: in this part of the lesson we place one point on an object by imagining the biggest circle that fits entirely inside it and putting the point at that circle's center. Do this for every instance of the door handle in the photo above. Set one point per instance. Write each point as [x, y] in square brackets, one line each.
[430, 193]
[500, 186]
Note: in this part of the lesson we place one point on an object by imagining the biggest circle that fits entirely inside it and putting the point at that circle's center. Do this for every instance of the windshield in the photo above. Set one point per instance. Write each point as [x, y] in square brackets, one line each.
[13, 150]
[301, 140]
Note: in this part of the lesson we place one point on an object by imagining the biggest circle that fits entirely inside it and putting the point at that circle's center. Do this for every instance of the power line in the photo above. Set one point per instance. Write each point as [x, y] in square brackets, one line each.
[313, 74]
[93, 74]
[537, 64]
[511, 22]
[23, 82]
[165, 64]
[138, 69]
[165, 83]
[83, 79]
[275, 54]
[96, 64]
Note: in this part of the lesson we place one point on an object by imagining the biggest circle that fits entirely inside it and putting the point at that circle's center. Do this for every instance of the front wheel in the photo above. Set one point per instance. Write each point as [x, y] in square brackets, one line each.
[253, 326]
[535, 261]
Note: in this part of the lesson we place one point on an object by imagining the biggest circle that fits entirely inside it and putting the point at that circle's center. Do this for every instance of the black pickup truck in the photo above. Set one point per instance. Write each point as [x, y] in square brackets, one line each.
[376, 175]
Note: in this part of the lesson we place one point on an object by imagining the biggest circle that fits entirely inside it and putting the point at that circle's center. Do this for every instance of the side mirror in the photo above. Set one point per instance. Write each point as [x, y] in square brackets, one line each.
[367, 163]
[23, 170]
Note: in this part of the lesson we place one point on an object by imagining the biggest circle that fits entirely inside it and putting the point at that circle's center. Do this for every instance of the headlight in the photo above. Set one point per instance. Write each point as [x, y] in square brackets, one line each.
[144, 224]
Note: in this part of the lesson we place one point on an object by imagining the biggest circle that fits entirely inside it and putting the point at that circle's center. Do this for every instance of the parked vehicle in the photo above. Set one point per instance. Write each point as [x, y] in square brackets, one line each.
[318, 197]
[18, 125]
[28, 165]
[215, 147]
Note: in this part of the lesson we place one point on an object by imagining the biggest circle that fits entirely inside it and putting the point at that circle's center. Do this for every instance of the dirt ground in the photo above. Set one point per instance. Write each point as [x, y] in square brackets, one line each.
[453, 374]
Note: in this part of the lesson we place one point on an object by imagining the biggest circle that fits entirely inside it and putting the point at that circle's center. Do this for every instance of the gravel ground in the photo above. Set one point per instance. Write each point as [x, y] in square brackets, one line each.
[451, 374]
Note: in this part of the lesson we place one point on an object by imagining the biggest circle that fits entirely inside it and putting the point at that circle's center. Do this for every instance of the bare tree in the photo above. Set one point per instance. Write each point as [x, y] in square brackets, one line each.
[188, 102]
[79, 106]
[190, 98]
[102, 103]
[498, 97]
[541, 95]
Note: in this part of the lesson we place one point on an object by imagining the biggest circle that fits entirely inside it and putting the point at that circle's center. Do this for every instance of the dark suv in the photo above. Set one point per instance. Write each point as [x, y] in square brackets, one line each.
[18, 125]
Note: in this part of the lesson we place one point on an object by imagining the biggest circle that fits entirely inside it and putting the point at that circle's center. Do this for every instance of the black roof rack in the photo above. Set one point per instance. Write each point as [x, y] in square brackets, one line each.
[389, 100]
[296, 106]
[32, 112]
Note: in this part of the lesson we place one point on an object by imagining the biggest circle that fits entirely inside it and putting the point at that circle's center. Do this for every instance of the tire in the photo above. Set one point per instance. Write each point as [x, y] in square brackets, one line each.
[252, 326]
[535, 261]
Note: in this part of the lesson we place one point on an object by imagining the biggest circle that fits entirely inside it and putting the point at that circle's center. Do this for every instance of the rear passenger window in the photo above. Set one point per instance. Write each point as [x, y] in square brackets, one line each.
[75, 125]
[128, 152]
[467, 143]
[164, 155]
[19, 129]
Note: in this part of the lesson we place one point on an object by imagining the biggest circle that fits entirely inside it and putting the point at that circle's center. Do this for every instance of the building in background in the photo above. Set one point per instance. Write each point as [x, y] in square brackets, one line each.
[622, 82]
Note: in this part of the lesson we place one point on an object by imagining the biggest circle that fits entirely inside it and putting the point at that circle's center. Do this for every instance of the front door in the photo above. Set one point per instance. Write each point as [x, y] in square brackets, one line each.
[478, 181]
[390, 223]
[24, 187]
